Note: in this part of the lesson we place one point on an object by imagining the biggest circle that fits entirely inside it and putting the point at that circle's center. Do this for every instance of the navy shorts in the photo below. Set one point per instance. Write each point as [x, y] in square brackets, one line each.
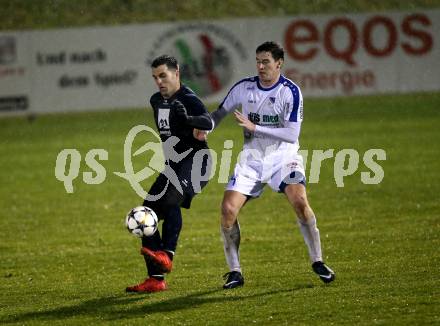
[180, 182]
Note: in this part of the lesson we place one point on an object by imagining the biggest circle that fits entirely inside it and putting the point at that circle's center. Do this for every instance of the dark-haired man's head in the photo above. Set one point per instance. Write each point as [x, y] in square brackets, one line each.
[269, 57]
[166, 74]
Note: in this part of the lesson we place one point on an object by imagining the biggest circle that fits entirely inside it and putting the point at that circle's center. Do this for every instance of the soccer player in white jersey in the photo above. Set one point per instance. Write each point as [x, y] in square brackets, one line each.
[271, 114]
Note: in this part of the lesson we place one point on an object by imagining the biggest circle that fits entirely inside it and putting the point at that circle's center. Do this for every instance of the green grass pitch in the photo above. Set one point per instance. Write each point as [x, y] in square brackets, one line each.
[65, 259]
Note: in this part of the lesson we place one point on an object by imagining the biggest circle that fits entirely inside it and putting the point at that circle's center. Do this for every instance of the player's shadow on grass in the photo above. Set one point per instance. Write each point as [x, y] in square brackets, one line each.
[197, 299]
[127, 306]
[94, 307]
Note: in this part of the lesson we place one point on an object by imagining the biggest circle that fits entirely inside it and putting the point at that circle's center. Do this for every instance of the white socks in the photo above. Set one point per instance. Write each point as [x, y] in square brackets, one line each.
[311, 237]
[231, 243]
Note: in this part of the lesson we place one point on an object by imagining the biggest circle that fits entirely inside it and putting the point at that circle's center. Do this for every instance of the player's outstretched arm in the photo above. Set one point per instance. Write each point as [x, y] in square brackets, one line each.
[202, 121]
[288, 134]
[218, 115]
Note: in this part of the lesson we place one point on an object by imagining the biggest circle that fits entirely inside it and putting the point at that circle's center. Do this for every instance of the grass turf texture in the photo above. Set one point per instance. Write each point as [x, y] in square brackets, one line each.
[31, 14]
[66, 258]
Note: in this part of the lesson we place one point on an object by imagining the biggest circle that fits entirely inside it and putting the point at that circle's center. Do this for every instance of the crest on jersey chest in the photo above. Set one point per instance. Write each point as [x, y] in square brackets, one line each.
[270, 103]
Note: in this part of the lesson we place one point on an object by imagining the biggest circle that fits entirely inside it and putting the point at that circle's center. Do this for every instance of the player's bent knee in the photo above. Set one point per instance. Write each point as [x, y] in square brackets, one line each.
[228, 209]
[300, 205]
[229, 213]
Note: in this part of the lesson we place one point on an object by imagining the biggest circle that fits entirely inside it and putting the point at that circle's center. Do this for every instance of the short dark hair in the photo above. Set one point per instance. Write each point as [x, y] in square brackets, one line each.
[274, 48]
[169, 61]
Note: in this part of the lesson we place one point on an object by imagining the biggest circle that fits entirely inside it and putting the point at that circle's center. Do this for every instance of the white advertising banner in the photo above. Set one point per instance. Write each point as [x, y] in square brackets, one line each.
[327, 55]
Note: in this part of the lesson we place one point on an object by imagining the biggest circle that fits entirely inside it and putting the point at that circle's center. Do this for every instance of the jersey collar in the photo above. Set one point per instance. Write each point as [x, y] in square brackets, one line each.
[280, 80]
[174, 96]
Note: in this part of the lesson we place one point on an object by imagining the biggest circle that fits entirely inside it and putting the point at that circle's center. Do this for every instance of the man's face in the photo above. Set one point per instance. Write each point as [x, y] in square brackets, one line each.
[167, 80]
[268, 69]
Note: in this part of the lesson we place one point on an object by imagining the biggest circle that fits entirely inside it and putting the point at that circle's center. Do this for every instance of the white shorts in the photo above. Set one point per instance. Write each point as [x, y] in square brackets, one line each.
[249, 178]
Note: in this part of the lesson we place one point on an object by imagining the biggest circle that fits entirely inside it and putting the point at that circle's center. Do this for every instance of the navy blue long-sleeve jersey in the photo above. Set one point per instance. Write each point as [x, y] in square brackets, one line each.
[170, 124]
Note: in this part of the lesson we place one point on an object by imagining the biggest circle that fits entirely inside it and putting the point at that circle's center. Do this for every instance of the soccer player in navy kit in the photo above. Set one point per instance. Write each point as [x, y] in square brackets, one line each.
[271, 115]
[181, 119]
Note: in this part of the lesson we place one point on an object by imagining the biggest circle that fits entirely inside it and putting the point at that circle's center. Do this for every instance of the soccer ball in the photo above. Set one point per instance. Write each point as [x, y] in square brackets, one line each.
[141, 221]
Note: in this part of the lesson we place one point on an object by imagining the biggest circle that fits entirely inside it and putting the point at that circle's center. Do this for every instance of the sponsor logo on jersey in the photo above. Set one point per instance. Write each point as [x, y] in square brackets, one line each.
[163, 121]
[254, 117]
[163, 124]
[265, 119]
[271, 118]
